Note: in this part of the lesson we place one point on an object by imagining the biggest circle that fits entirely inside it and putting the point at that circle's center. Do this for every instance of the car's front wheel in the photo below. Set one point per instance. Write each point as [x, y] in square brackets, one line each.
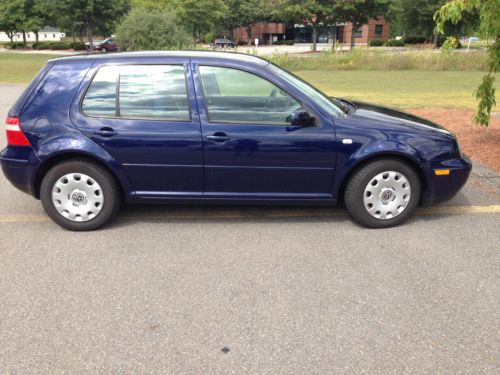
[383, 193]
[79, 195]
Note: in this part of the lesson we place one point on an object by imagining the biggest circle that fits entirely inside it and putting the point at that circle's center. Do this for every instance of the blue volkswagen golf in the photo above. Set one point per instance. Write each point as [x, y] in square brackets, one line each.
[91, 132]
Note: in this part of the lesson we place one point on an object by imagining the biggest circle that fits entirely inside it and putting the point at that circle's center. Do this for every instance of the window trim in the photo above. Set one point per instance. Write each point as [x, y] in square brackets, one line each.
[243, 123]
[358, 33]
[117, 115]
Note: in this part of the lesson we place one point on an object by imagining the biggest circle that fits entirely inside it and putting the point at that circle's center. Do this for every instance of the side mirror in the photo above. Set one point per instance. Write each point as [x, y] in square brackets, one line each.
[300, 117]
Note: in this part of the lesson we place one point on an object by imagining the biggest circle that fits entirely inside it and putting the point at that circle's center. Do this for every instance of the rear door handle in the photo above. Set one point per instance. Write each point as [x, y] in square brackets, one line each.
[106, 132]
[218, 137]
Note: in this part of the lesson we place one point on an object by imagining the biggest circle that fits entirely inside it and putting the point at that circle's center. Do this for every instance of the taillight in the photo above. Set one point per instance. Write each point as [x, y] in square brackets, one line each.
[15, 135]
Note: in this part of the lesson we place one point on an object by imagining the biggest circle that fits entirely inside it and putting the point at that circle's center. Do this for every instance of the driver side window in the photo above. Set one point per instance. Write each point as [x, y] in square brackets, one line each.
[236, 96]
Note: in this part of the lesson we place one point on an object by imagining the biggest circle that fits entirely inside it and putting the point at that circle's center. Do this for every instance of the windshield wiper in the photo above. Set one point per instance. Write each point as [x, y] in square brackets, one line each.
[341, 104]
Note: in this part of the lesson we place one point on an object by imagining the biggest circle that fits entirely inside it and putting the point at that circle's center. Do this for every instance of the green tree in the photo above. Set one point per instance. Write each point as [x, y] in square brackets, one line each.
[37, 15]
[59, 15]
[358, 12]
[154, 4]
[333, 14]
[90, 15]
[489, 29]
[311, 12]
[201, 16]
[23, 16]
[246, 14]
[418, 17]
[12, 17]
[395, 16]
[142, 29]
[7, 21]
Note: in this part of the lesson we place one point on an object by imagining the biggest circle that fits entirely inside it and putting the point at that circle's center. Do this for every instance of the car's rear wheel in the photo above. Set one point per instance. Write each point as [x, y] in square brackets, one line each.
[79, 195]
[383, 193]
[104, 50]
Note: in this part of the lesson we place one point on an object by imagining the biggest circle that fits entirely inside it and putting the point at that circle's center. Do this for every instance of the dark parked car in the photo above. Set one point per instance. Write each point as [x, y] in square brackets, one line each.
[224, 43]
[91, 132]
[107, 45]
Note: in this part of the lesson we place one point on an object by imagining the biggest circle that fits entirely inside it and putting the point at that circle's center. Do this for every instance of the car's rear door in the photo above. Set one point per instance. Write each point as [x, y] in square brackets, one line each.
[145, 116]
[250, 150]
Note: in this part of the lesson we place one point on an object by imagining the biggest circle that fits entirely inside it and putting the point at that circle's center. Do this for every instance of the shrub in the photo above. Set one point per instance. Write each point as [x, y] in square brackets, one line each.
[395, 43]
[289, 42]
[59, 46]
[145, 30]
[209, 37]
[15, 45]
[415, 39]
[442, 39]
[376, 43]
[78, 46]
[41, 45]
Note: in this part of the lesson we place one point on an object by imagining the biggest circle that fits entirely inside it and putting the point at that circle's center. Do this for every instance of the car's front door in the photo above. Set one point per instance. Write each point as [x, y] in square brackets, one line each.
[146, 118]
[250, 148]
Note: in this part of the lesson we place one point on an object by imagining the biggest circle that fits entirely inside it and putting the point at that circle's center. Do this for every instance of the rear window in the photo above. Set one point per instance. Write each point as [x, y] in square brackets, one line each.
[138, 91]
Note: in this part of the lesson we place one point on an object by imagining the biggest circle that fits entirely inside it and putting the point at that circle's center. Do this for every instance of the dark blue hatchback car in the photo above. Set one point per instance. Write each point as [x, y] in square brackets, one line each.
[91, 132]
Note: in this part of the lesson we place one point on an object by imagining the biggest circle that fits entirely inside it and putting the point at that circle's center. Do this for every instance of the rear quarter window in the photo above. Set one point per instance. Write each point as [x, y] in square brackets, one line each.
[23, 99]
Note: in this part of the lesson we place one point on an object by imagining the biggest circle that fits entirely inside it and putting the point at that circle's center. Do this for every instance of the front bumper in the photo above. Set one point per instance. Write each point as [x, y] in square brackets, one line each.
[20, 165]
[442, 188]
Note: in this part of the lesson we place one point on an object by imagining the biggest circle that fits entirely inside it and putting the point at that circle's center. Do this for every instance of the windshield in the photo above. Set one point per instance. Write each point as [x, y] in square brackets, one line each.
[321, 99]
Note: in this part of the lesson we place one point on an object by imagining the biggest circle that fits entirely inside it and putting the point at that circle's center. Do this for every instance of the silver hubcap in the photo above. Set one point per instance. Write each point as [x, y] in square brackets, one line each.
[77, 197]
[387, 195]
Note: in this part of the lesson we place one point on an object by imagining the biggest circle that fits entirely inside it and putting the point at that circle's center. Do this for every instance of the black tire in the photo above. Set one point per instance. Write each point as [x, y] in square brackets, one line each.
[355, 190]
[110, 190]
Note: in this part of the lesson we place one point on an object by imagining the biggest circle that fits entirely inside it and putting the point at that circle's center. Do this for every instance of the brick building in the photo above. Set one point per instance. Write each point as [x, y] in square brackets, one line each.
[267, 32]
[270, 32]
[374, 29]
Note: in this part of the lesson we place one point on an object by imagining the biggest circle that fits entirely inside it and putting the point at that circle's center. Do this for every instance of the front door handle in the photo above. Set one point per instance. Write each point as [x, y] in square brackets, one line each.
[106, 132]
[218, 137]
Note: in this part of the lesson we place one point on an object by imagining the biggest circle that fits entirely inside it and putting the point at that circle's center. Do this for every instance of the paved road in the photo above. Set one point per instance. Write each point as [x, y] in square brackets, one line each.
[286, 290]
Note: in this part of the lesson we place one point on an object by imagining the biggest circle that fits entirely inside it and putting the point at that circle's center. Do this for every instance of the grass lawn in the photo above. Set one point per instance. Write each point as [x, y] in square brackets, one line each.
[21, 67]
[404, 89]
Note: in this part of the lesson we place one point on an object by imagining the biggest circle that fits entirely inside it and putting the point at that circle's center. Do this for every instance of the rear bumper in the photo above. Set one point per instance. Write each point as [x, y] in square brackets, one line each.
[443, 188]
[20, 165]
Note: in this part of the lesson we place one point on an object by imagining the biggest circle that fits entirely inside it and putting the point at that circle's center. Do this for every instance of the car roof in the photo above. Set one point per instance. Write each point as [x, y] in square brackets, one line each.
[231, 56]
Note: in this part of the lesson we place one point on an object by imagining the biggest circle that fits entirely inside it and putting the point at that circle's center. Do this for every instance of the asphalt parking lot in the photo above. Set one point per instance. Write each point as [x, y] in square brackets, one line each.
[286, 290]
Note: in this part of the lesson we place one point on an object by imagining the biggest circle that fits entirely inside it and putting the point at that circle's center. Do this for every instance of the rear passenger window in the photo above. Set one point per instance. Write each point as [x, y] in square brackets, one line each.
[144, 91]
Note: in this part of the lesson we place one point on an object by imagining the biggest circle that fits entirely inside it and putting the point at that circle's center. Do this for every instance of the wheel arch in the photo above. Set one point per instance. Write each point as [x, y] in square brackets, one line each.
[408, 160]
[60, 157]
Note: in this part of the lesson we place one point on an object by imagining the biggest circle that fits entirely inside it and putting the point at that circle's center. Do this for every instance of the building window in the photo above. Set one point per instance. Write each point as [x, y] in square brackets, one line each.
[379, 30]
[53, 35]
[359, 32]
[45, 35]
